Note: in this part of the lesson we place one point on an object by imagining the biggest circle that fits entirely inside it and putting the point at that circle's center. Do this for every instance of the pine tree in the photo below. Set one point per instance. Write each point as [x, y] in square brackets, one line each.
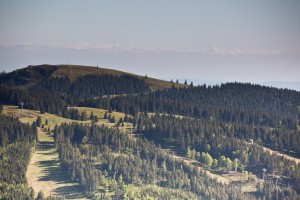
[1, 108]
[188, 152]
[96, 119]
[83, 116]
[105, 115]
[38, 121]
[215, 163]
[206, 159]
[222, 161]
[113, 119]
[40, 196]
[92, 116]
[228, 164]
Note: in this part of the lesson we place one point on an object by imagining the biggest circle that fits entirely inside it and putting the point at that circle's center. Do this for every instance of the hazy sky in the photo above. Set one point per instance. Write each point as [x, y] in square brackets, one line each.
[246, 41]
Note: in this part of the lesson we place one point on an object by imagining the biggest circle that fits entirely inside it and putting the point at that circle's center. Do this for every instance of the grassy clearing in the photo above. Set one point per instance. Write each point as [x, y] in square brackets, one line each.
[155, 84]
[44, 174]
[29, 116]
[99, 112]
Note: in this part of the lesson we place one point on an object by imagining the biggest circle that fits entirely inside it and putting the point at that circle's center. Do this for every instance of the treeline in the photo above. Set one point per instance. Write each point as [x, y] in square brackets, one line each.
[275, 125]
[91, 86]
[45, 102]
[229, 102]
[17, 141]
[13, 131]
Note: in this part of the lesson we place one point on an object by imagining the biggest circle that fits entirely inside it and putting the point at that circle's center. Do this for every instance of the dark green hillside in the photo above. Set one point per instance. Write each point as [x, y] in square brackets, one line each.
[16, 143]
[50, 88]
[27, 77]
[32, 75]
[229, 96]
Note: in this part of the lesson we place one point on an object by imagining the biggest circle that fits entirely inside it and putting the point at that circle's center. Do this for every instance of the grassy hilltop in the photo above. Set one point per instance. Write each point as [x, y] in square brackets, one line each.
[33, 74]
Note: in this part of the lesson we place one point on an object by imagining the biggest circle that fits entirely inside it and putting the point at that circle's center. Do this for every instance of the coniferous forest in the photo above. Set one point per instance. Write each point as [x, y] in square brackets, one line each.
[17, 142]
[167, 145]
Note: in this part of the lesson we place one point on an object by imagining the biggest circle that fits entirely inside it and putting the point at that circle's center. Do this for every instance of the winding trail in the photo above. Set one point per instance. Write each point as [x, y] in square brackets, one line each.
[44, 173]
[297, 160]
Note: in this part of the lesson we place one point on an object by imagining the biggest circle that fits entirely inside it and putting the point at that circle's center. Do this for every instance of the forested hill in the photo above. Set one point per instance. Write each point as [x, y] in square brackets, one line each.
[52, 88]
[197, 101]
[166, 139]
[34, 75]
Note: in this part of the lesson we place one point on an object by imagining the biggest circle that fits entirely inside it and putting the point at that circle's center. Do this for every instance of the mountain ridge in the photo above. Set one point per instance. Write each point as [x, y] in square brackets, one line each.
[33, 74]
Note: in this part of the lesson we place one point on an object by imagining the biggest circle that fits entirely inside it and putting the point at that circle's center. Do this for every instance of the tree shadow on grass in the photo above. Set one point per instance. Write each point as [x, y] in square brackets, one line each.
[45, 145]
[47, 153]
[52, 172]
[71, 192]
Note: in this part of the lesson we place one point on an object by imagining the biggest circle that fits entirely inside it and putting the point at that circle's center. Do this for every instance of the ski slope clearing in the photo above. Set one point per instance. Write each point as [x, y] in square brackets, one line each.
[44, 173]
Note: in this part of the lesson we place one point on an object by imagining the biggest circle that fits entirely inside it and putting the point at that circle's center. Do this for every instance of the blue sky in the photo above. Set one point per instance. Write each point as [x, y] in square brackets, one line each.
[245, 41]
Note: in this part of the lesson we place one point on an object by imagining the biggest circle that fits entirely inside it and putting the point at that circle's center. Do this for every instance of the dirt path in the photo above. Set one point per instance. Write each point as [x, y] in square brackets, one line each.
[297, 160]
[44, 174]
